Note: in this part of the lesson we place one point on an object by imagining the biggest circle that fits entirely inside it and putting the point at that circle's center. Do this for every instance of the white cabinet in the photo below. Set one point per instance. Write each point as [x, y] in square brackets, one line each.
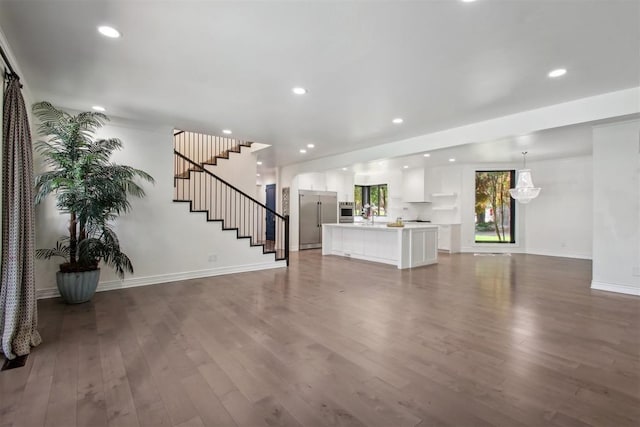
[406, 247]
[423, 247]
[414, 187]
[449, 237]
[444, 201]
[444, 208]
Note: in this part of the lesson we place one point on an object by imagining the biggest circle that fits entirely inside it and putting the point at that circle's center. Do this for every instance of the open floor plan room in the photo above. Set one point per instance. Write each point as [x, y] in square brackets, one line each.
[320, 213]
[515, 340]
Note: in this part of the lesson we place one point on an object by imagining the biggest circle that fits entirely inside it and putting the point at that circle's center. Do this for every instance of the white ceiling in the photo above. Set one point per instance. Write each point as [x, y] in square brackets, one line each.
[567, 141]
[209, 65]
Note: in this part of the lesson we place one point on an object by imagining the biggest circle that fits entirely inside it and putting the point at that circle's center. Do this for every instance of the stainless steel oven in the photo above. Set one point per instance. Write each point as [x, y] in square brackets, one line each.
[345, 212]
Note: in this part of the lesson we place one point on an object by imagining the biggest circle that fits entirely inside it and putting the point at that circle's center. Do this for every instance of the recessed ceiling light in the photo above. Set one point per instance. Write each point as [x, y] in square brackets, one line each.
[259, 162]
[380, 163]
[397, 120]
[257, 174]
[299, 90]
[452, 159]
[99, 108]
[468, 1]
[226, 131]
[310, 145]
[427, 155]
[108, 31]
[406, 167]
[557, 72]
[344, 169]
[302, 150]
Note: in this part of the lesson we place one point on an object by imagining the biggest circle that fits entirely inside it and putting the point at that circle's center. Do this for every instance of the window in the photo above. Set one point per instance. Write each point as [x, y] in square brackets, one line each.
[373, 195]
[494, 207]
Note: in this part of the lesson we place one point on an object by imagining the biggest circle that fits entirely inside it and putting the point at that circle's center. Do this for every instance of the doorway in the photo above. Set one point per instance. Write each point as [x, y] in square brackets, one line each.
[270, 201]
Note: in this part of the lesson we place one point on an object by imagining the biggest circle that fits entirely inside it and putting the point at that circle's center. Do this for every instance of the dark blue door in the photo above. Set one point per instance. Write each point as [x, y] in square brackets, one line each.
[271, 204]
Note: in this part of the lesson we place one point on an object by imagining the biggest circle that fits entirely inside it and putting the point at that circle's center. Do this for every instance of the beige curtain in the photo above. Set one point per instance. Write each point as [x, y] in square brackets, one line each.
[18, 305]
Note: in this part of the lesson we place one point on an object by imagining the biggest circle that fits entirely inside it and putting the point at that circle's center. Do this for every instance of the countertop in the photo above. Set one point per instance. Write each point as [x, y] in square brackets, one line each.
[383, 226]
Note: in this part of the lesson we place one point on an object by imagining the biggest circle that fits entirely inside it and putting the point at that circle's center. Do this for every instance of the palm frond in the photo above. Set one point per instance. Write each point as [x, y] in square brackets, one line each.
[86, 184]
[60, 251]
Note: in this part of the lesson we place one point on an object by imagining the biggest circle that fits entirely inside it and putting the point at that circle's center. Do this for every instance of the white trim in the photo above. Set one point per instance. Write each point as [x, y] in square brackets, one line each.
[498, 248]
[558, 254]
[631, 119]
[47, 293]
[171, 277]
[615, 287]
[495, 248]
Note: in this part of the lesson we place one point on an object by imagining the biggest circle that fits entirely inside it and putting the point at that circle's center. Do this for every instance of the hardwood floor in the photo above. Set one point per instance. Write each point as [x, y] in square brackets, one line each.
[472, 341]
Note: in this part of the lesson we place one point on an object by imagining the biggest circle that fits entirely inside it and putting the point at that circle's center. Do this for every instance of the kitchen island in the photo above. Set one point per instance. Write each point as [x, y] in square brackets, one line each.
[413, 245]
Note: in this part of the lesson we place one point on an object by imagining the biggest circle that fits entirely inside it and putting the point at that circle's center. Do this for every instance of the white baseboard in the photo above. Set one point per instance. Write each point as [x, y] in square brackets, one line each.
[171, 277]
[501, 249]
[557, 254]
[614, 287]
[517, 250]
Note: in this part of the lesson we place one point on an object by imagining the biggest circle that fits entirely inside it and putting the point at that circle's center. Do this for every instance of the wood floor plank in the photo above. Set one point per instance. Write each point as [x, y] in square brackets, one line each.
[12, 387]
[209, 407]
[91, 409]
[472, 341]
[121, 408]
[33, 408]
[158, 379]
[63, 398]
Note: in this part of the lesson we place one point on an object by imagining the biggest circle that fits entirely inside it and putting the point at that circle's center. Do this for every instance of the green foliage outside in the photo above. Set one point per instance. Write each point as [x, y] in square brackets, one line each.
[357, 197]
[373, 195]
[485, 226]
[492, 191]
[481, 238]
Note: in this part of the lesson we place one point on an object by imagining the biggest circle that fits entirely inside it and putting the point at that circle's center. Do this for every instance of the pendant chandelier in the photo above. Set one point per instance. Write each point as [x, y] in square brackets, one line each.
[524, 191]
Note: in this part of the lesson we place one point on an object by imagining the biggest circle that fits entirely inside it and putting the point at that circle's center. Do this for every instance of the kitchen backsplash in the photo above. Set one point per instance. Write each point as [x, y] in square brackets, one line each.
[411, 211]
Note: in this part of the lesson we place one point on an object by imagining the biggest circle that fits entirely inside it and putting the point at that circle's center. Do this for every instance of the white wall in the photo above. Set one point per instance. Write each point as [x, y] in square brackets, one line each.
[238, 170]
[560, 221]
[616, 207]
[163, 239]
[557, 223]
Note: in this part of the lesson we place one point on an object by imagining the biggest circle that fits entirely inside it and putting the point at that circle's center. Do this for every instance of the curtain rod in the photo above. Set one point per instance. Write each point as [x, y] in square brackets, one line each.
[8, 64]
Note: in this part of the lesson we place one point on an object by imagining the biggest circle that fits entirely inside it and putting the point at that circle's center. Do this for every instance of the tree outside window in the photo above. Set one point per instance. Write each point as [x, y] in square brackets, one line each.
[494, 208]
[373, 195]
[357, 197]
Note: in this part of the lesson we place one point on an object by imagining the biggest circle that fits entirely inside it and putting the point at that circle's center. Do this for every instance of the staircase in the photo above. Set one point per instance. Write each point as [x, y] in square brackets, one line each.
[196, 184]
[206, 149]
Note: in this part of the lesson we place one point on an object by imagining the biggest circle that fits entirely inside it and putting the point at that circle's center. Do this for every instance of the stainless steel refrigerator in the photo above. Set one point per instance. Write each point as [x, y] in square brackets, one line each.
[316, 208]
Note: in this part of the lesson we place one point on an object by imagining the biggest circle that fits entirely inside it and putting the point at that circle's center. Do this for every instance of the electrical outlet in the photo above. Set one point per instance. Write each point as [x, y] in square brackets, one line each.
[213, 257]
[635, 271]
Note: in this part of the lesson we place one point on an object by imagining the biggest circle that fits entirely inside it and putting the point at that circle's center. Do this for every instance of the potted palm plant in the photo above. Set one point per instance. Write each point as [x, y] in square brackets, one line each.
[91, 190]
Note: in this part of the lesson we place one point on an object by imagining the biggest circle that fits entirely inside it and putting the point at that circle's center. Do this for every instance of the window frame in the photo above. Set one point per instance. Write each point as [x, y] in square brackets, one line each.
[366, 197]
[512, 208]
